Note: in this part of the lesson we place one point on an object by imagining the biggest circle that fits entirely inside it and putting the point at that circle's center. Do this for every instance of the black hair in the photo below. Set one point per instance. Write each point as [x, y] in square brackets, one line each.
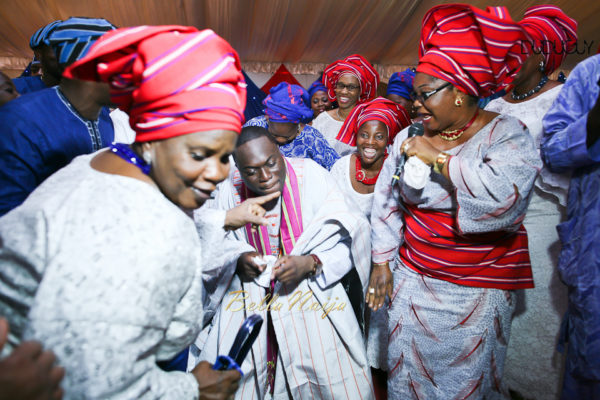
[253, 132]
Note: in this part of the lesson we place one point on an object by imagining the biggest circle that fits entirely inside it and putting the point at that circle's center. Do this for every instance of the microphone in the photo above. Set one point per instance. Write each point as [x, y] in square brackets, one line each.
[415, 129]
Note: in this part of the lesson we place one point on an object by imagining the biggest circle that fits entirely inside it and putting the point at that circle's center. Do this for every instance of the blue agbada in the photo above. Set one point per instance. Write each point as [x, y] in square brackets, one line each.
[40, 133]
[28, 84]
[401, 83]
[564, 147]
[308, 144]
[288, 103]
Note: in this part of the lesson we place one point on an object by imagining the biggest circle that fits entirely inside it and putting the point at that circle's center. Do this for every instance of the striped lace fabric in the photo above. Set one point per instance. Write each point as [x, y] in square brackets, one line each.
[477, 51]
[171, 80]
[38, 38]
[553, 32]
[72, 39]
[433, 246]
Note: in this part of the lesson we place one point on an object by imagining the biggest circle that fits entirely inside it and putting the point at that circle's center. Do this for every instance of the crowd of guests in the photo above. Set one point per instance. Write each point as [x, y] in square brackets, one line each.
[408, 246]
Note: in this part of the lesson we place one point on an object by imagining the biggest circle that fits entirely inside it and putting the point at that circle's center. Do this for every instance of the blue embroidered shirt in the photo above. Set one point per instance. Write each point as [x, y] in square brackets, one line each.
[40, 133]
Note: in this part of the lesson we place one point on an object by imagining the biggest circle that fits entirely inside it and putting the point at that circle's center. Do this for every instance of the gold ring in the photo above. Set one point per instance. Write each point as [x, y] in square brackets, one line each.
[371, 290]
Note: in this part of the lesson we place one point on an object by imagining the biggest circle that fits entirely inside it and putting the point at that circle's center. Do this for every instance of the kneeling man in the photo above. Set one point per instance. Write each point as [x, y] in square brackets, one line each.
[311, 344]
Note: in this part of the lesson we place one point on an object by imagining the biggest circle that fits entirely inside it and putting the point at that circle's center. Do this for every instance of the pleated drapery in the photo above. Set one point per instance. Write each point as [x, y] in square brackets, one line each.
[305, 35]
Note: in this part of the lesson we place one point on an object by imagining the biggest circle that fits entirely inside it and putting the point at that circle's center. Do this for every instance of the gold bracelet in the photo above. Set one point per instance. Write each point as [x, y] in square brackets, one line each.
[317, 266]
[441, 159]
[384, 264]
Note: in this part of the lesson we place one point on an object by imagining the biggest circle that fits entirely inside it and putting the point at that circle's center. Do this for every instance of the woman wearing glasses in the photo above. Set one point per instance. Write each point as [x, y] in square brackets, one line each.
[350, 81]
[455, 239]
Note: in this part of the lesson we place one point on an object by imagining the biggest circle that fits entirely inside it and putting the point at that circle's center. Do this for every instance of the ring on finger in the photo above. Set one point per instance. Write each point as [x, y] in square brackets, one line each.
[405, 147]
[371, 290]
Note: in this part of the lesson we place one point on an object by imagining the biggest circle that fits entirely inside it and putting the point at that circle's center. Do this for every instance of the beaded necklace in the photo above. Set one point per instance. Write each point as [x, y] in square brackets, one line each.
[361, 175]
[533, 91]
[456, 133]
[125, 152]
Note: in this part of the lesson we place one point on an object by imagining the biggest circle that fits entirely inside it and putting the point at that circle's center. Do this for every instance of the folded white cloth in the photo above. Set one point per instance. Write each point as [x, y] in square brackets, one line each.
[264, 279]
[416, 173]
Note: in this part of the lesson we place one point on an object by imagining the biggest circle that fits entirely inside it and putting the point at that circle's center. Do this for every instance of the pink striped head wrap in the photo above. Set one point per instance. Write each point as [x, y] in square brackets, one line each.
[553, 32]
[357, 66]
[478, 51]
[393, 115]
[171, 80]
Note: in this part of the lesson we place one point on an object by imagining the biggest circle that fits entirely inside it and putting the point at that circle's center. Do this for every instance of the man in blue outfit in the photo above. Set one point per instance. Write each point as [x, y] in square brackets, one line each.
[42, 132]
[570, 143]
[50, 70]
[287, 107]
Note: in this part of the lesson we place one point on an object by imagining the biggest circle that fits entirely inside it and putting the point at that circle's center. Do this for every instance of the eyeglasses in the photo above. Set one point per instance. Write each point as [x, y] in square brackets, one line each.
[424, 96]
[350, 88]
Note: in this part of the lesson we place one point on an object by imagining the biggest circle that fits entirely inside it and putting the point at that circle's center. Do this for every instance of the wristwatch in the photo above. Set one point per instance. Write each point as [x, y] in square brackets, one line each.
[441, 159]
[317, 267]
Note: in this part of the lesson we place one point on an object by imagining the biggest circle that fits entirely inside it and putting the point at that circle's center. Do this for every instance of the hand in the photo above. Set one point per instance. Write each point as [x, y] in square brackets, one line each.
[215, 385]
[247, 269]
[381, 284]
[249, 212]
[290, 270]
[420, 147]
[28, 372]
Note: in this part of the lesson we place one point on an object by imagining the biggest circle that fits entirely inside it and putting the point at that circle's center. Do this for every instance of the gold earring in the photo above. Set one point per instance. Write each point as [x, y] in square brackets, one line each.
[458, 102]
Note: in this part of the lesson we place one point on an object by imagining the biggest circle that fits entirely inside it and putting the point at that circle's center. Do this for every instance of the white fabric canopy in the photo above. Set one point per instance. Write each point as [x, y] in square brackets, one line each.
[304, 34]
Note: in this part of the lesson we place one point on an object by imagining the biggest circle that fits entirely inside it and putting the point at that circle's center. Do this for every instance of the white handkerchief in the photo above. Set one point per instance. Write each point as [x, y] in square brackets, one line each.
[264, 279]
[416, 172]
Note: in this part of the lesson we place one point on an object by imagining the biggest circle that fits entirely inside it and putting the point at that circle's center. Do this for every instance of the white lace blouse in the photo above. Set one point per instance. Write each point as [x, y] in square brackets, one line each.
[341, 174]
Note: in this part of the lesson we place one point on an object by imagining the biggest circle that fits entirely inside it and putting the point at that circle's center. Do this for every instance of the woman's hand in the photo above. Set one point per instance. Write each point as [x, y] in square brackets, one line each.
[215, 385]
[290, 270]
[381, 284]
[420, 147]
[249, 212]
[247, 269]
[29, 372]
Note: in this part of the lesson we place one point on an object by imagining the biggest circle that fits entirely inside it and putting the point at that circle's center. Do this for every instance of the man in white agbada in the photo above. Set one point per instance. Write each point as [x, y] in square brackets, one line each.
[311, 342]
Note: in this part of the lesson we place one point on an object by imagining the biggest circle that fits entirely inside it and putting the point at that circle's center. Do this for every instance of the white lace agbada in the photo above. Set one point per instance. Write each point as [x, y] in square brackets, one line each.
[110, 282]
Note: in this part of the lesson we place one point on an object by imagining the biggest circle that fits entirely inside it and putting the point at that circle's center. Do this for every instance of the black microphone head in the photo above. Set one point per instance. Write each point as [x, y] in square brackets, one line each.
[416, 129]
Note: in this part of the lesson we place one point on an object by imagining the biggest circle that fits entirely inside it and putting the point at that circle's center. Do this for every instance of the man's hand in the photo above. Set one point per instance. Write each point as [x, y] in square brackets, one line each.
[28, 373]
[247, 269]
[290, 270]
[215, 385]
[249, 212]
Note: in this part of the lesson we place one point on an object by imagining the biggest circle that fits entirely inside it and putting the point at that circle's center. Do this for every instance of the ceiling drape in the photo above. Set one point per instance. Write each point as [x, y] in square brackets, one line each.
[306, 35]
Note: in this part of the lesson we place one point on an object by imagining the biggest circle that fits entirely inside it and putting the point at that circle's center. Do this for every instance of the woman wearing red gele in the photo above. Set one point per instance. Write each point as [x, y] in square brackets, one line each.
[373, 126]
[116, 282]
[533, 364]
[350, 81]
[457, 245]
